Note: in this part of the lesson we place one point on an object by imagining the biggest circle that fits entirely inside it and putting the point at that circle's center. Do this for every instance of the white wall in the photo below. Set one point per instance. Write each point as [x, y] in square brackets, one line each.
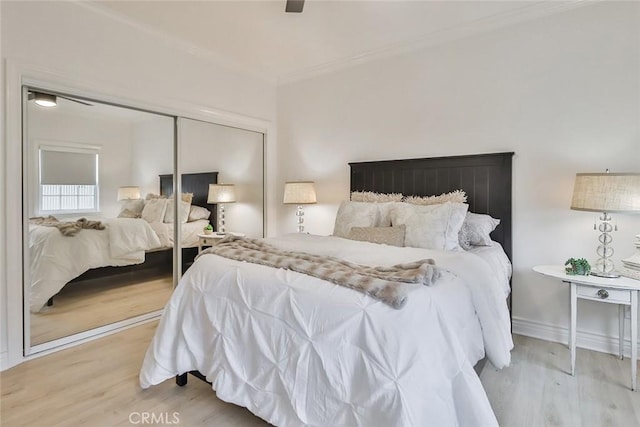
[113, 137]
[152, 153]
[237, 156]
[117, 60]
[563, 92]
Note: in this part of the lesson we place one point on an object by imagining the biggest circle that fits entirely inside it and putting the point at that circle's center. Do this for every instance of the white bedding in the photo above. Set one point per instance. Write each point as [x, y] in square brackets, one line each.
[56, 259]
[190, 231]
[297, 350]
[499, 262]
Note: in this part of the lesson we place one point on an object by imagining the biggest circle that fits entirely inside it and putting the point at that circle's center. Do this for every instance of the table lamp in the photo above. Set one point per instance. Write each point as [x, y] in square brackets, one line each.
[220, 194]
[299, 193]
[128, 193]
[606, 193]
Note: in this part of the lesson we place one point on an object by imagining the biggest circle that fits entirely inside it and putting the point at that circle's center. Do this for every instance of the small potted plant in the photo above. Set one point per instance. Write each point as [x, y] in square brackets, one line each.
[577, 267]
[208, 229]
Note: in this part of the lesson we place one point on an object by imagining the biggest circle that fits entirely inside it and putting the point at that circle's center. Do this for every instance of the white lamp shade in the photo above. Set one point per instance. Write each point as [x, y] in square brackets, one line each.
[221, 193]
[299, 193]
[606, 192]
[128, 193]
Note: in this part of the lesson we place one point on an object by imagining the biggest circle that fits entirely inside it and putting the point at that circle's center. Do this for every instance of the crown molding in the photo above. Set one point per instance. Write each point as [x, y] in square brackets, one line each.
[479, 26]
[525, 13]
[177, 43]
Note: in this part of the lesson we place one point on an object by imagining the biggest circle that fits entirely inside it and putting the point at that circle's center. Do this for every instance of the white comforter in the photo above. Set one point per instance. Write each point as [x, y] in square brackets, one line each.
[297, 350]
[56, 259]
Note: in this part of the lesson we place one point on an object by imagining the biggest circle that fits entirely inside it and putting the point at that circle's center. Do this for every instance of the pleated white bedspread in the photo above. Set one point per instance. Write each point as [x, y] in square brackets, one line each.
[297, 350]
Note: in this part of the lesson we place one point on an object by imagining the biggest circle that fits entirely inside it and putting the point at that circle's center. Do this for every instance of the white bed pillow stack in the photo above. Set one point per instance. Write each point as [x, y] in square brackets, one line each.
[430, 226]
[154, 210]
[434, 222]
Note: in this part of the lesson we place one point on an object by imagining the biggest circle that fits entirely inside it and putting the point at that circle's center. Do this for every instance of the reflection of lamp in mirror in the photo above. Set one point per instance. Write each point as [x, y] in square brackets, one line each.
[606, 193]
[299, 193]
[128, 193]
[220, 194]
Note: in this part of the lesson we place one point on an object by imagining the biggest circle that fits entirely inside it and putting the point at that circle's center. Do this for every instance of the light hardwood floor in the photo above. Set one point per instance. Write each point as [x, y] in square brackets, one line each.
[79, 307]
[96, 384]
[538, 390]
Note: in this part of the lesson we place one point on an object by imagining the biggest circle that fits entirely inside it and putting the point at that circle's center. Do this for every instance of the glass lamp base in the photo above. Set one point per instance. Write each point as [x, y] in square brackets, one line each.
[610, 275]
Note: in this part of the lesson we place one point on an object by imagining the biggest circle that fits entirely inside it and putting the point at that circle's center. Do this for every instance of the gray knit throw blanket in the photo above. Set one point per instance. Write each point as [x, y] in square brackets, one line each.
[67, 228]
[387, 284]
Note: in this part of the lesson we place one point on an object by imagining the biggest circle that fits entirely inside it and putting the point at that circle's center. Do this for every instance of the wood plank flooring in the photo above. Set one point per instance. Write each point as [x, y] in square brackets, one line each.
[97, 384]
[538, 390]
[79, 307]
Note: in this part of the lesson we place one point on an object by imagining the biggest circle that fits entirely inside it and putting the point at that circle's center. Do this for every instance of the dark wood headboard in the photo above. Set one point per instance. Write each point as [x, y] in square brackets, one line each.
[486, 178]
[196, 183]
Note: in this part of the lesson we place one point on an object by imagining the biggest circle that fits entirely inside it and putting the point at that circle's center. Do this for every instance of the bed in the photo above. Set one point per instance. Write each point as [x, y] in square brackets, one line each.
[126, 247]
[298, 350]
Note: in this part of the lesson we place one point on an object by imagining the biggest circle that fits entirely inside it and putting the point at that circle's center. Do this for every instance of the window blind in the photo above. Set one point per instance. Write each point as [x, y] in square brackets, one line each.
[66, 167]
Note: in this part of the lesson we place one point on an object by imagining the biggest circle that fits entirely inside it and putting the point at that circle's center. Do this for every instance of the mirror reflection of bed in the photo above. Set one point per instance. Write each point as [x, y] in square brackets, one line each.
[78, 157]
[108, 164]
[102, 296]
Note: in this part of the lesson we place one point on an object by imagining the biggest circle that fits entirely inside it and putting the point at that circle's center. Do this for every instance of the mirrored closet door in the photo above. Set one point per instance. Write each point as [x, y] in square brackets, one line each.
[230, 163]
[99, 235]
[100, 210]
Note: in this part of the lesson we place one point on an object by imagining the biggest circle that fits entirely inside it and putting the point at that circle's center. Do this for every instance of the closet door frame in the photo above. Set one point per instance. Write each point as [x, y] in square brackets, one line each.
[19, 74]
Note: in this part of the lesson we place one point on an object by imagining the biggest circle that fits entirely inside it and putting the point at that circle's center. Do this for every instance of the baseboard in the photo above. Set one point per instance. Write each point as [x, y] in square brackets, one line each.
[587, 340]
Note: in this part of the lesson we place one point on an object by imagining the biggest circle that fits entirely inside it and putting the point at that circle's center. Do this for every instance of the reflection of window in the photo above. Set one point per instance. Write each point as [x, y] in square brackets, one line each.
[68, 179]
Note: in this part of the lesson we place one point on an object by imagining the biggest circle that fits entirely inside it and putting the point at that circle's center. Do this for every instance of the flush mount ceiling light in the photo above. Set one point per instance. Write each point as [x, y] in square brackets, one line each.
[44, 99]
[50, 100]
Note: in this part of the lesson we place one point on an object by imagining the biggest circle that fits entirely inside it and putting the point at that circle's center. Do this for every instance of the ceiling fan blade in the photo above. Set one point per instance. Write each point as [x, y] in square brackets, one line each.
[294, 6]
[76, 100]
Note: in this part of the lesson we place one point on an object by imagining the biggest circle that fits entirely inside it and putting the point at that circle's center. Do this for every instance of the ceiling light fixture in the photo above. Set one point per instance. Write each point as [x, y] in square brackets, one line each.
[45, 99]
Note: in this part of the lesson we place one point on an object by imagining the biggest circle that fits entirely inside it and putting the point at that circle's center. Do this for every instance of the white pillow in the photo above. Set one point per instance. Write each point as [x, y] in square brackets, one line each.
[354, 214]
[198, 212]
[132, 207]
[476, 229]
[154, 210]
[184, 211]
[431, 226]
[384, 214]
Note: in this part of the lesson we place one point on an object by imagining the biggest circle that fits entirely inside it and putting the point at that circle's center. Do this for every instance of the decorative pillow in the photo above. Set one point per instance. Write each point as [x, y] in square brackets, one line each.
[431, 227]
[476, 229]
[464, 239]
[126, 213]
[392, 236]
[133, 207]
[186, 197]
[198, 212]
[354, 214]
[371, 197]
[458, 196]
[184, 211]
[152, 196]
[154, 210]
